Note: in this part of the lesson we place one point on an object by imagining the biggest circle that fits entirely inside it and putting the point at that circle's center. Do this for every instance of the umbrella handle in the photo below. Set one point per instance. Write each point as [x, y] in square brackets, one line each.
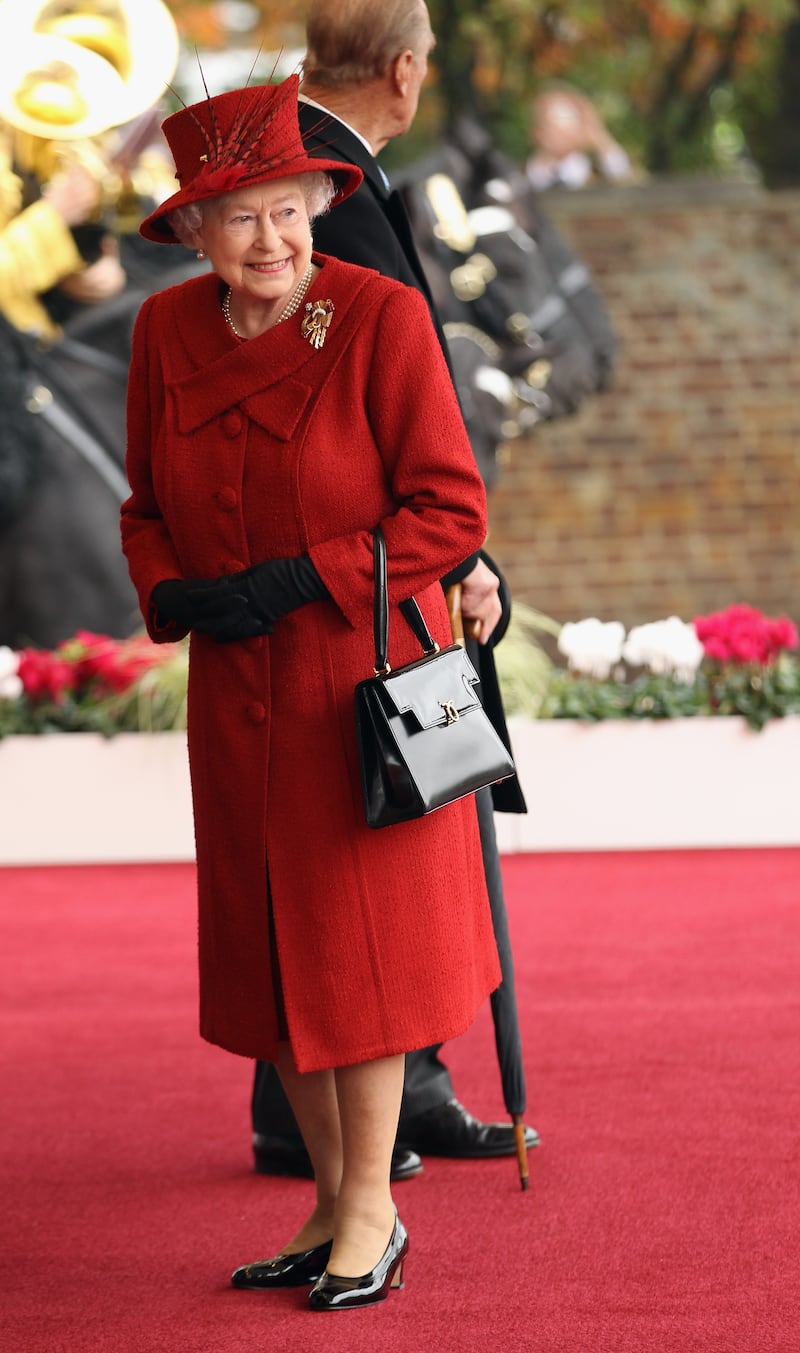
[522, 1150]
[460, 627]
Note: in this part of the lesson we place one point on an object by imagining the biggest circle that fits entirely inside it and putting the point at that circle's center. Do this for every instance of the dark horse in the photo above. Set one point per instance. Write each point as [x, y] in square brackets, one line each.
[62, 448]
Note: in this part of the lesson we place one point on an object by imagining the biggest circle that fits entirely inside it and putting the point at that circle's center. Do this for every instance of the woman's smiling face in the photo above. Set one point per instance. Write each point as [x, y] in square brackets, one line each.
[258, 240]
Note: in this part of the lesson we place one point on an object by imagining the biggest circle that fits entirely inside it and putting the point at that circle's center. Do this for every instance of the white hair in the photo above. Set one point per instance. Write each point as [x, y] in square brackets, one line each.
[318, 190]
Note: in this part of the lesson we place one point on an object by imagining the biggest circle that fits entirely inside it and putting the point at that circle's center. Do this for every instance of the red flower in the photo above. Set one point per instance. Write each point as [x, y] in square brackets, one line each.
[45, 676]
[89, 664]
[783, 634]
[95, 656]
[745, 635]
[110, 666]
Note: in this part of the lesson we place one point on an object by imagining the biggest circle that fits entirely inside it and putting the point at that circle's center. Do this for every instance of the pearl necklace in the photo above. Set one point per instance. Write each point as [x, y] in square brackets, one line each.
[291, 307]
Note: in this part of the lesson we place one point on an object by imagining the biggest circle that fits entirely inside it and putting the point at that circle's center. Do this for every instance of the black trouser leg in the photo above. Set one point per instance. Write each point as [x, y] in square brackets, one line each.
[271, 1112]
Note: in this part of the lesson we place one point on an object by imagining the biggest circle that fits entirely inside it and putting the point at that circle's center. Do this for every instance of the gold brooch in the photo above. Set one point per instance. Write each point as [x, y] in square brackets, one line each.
[316, 321]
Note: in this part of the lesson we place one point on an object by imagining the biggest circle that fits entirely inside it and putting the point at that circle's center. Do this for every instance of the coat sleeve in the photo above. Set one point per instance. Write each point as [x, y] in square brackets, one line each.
[146, 542]
[438, 516]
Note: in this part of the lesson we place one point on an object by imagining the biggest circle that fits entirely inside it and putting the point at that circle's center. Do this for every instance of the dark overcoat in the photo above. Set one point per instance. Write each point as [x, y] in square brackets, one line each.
[239, 453]
[371, 228]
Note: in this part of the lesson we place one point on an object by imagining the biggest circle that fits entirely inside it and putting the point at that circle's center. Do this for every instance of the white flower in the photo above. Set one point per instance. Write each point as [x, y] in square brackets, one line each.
[665, 647]
[10, 683]
[592, 646]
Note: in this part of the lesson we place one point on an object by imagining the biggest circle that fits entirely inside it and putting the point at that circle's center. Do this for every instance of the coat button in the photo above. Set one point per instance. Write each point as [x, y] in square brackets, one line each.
[256, 712]
[232, 424]
[226, 498]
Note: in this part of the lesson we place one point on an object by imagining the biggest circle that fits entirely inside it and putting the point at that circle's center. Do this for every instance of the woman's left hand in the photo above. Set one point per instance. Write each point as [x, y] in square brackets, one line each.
[223, 611]
[246, 604]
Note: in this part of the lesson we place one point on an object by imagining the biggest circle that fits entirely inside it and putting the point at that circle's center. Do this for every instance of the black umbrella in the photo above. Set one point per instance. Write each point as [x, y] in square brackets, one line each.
[504, 1000]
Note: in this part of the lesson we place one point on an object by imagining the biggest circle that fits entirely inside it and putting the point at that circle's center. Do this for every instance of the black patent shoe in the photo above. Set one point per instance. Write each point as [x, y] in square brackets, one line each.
[285, 1270]
[335, 1293]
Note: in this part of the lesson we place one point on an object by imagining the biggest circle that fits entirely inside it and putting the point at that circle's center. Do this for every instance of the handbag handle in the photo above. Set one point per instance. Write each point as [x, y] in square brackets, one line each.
[380, 613]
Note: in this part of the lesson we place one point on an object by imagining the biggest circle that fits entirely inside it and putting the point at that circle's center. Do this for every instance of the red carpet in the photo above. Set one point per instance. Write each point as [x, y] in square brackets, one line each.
[659, 999]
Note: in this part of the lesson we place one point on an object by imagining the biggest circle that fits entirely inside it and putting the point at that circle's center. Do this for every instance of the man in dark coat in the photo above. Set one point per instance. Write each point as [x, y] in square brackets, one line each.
[363, 72]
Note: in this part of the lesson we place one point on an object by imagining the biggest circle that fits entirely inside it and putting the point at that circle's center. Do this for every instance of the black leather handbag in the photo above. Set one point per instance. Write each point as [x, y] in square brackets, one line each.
[424, 738]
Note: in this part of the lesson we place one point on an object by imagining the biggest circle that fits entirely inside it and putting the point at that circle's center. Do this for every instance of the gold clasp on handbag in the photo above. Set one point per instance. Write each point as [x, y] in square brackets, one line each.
[450, 710]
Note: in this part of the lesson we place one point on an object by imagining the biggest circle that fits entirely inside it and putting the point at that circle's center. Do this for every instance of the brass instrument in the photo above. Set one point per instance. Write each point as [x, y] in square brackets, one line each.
[73, 70]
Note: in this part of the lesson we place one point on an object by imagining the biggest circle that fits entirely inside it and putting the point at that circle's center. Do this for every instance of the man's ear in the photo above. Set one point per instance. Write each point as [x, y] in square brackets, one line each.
[401, 71]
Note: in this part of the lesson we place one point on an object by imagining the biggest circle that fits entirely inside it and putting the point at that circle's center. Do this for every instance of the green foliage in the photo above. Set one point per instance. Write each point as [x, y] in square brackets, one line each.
[523, 664]
[757, 693]
[646, 697]
[154, 703]
[652, 67]
[531, 683]
[534, 687]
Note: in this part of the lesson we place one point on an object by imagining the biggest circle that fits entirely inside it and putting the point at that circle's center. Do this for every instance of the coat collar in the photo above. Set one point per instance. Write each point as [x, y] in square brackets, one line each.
[225, 373]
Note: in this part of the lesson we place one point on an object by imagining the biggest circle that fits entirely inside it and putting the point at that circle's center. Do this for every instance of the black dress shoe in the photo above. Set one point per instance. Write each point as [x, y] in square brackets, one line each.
[449, 1130]
[285, 1270]
[335, 1293]
[289, 1158]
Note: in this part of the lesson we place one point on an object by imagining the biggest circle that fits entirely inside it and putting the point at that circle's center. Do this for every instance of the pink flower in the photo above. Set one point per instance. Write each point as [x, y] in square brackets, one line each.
[743, 634]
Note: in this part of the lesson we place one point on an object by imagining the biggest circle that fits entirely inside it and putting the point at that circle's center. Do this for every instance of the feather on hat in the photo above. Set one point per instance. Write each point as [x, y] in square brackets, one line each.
[231, 140]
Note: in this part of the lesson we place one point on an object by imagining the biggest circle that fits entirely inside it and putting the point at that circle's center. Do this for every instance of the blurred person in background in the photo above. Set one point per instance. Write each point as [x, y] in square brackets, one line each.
[50, 236]
[78, 82]
[571, 143]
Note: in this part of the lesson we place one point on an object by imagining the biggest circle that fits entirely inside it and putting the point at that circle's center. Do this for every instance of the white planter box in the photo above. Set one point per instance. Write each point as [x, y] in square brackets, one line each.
[622, 785]
[81, 798]
[654, 784]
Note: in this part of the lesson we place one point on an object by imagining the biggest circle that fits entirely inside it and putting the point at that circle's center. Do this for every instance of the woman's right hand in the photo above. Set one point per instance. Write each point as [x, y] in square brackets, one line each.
[173, 602]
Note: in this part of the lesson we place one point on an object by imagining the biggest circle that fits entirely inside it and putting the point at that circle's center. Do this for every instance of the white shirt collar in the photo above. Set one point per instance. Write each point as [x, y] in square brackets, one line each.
[313, 103]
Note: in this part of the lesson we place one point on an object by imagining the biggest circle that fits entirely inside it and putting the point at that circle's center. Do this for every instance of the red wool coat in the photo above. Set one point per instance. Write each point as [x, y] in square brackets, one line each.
[243, 452]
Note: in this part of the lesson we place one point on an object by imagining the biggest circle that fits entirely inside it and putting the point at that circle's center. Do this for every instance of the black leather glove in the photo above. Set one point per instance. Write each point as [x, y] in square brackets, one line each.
[246, 604]
[173, 604]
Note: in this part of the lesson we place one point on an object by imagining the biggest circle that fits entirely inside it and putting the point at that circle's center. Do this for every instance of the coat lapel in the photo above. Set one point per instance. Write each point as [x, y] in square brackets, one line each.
[215, 376]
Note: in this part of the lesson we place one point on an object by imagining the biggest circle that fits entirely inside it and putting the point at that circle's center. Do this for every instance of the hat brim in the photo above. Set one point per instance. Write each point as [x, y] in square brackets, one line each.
[346, 178]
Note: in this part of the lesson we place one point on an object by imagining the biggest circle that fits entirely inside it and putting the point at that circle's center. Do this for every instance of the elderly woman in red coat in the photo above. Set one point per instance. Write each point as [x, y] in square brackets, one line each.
[281, 407]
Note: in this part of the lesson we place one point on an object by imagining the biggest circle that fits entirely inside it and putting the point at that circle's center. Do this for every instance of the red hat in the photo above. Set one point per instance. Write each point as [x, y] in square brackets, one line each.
[243, 136]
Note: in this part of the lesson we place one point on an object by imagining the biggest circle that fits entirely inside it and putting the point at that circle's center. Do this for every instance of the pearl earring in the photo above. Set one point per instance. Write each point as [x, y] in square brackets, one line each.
[201, 253]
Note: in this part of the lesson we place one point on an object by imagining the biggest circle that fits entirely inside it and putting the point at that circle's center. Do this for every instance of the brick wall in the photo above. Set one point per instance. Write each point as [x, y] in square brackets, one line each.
[678, 490]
